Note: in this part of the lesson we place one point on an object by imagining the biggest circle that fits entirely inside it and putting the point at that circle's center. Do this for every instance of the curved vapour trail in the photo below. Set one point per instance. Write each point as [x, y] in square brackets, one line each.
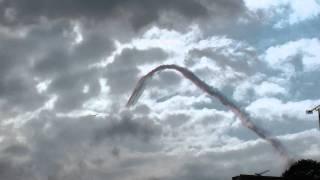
[242, 115]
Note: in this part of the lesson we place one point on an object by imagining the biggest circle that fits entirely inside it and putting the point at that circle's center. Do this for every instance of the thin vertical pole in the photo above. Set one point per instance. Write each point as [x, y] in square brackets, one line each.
[319, 117]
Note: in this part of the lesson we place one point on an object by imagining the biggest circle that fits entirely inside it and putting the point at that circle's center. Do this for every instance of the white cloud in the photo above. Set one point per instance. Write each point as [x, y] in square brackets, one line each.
[169, 40]
[266, 4]
[243, 92]
[269, 88]
[282, 56]
[78, 37]
[274, 109]
[303, 10]
[288, 12]
[43, 86]
[85, 89]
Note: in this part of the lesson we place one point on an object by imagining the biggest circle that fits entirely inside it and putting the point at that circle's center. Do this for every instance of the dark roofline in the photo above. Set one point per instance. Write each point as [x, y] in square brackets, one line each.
[245, 176]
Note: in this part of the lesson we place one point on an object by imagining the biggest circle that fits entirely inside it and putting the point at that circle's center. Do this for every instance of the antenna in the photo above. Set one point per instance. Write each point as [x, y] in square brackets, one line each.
[317, 108]
[261, 173]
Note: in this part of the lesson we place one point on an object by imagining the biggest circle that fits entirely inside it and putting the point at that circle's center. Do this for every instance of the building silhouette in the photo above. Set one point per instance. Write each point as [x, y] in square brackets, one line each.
[255, 177]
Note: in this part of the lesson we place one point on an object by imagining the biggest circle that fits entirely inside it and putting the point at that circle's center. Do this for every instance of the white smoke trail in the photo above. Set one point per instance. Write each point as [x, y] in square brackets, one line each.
[241, 114]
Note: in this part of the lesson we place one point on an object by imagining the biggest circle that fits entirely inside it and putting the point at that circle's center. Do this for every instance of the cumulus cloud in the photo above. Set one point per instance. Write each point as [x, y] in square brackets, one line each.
[288, 12]
[294, 55]
[67, 68]
[123, 72]
[137, 13]
[51, 143]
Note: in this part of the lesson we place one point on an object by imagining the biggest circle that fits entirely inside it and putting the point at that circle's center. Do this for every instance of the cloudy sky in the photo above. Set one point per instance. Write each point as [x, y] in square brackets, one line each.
[68, 67]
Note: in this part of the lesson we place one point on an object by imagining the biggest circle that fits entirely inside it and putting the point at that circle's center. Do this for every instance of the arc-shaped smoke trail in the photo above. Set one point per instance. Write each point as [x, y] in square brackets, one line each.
[241, 114]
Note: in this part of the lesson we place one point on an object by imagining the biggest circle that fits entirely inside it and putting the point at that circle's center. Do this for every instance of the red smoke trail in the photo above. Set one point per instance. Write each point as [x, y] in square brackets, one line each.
[241, 114]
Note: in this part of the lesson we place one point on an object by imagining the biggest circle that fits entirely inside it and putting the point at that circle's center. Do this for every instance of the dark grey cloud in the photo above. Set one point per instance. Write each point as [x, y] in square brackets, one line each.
[69, 88]
[134, 15]
[67, 147]
[224, 16]
[61, 57]
[62, 131]
[140, 12]
[16, 150]
[68, 69]
[19, 92]
[46, 52]
[11, 170]
[17, 89]
[167, 80]
[128, 127]
[115, 152]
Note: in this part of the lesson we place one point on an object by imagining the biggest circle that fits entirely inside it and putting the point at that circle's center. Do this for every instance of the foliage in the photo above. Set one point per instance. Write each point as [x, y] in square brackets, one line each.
[305, 169]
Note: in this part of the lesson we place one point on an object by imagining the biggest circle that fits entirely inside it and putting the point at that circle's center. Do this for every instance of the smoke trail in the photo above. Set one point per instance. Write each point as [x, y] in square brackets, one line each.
[138, 90]
[241, 114]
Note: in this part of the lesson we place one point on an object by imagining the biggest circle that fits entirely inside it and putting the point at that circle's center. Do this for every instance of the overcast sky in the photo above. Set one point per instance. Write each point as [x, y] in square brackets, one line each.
[67, 68]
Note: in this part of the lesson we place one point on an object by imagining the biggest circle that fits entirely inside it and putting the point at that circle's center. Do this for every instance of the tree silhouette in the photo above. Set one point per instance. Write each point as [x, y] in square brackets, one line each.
[305, 169]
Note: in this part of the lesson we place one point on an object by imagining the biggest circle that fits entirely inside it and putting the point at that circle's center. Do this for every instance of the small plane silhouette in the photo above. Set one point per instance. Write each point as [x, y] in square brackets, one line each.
[317, 108]
[261, 173]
